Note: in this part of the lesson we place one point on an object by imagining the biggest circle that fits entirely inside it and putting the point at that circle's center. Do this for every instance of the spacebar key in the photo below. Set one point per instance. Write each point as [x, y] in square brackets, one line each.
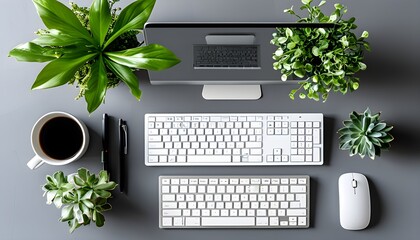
[209, 159]
[227, 221]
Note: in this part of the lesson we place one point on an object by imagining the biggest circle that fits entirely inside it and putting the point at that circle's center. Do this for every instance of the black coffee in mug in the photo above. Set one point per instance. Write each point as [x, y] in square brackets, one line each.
[61, 138]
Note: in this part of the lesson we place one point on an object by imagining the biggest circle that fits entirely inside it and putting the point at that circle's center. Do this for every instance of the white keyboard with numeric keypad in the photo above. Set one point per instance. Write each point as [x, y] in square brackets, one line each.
[209, 139]
[234, 201]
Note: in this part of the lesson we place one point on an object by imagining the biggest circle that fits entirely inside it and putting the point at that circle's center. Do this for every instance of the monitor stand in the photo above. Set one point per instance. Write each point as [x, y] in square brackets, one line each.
[232, 92]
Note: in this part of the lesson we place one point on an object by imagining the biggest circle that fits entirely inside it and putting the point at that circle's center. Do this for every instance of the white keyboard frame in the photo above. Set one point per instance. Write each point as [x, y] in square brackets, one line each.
[308, 204]
[268, 145]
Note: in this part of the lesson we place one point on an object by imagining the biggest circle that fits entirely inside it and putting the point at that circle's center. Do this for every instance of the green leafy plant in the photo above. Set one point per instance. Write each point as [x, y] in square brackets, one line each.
[82, 196]
[94, 47]
[365, 134]
[326, 58]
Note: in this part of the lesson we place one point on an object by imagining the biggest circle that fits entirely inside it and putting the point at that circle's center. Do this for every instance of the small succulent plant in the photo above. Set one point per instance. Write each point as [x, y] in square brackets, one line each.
[82, 196]
[365, 134]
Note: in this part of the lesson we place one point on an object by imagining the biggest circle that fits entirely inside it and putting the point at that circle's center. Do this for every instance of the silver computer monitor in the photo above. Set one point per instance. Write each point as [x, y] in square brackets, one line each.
[219, 82]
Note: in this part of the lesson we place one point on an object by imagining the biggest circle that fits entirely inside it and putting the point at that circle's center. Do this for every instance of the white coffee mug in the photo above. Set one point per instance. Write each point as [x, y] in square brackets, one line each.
[41, 156]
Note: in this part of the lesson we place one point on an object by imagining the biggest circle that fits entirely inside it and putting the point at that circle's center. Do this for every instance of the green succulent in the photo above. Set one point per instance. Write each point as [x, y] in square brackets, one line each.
[365, 134]
[82, 196]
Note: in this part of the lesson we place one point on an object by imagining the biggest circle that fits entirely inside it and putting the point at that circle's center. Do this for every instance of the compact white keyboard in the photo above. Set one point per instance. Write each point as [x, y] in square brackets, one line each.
[234, 201]
[234, 139]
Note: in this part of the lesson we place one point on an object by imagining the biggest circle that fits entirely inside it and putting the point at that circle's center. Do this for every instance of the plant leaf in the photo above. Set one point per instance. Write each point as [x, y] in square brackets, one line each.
[152, 57]
[56, 15]
[299, 73]
[375, 135]
[282, 40]
[103, 175]
[365, 34]
[103, 194]
[50, 196]
[379, 127]
[88, 203]
[57, 38]
[106, 186]
[59, 72]
[59, 178]
[388, 138]
[105, 207]
[100, 219]
[73, 224]
[127, 76]
[78, 181]
[99, 19]
[83, 174]
[97, 85]
[67, 213]
[31, 52]
[87, 195]
[78, 214]
[132, 17]
[306, 1]
[371, 152]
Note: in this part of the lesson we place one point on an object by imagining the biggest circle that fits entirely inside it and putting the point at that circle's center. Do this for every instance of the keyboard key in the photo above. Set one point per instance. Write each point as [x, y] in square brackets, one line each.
[274, 221]
[297, 189]
[301, 221]
[296, 212]
[166, 221]
[209, 159]
[168, 197]
[169, 205]
[316, 136]
[227, 221]
[174, 212]
[192, 221]
[316, 154]
[158, 151]
[262, 221]
[297, 158]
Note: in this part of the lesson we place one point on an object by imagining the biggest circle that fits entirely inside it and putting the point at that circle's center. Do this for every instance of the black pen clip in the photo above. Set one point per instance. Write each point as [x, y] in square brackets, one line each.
[125, 130]
[105, 142]
[123, 147]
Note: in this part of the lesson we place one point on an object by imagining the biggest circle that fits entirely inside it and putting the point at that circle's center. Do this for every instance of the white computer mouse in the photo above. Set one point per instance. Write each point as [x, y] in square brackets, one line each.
[354, 201]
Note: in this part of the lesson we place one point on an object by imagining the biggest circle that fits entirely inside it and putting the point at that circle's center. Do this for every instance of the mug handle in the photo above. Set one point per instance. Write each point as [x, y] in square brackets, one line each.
[35, 162]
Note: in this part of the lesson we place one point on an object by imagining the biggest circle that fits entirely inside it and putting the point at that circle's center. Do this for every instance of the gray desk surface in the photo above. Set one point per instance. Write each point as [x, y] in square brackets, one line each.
[391, 85]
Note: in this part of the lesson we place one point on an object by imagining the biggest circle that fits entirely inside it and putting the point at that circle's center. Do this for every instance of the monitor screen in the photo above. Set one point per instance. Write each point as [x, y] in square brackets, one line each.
[193, 43]
[185, 38]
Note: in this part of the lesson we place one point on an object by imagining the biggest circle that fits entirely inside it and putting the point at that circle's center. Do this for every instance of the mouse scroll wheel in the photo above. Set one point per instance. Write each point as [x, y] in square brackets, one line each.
[354, 183]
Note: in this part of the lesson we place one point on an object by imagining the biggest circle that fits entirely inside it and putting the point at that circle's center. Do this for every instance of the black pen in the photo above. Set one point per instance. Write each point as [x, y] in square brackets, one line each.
[105, 142]
[123, 147]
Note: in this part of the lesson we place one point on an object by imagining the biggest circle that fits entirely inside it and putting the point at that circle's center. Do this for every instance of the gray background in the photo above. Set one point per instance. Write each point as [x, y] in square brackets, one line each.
[391, 85]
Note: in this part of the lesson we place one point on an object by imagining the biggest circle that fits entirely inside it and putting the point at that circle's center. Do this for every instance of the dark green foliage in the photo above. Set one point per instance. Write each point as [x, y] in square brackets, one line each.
[325, 58]
[78, 43]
